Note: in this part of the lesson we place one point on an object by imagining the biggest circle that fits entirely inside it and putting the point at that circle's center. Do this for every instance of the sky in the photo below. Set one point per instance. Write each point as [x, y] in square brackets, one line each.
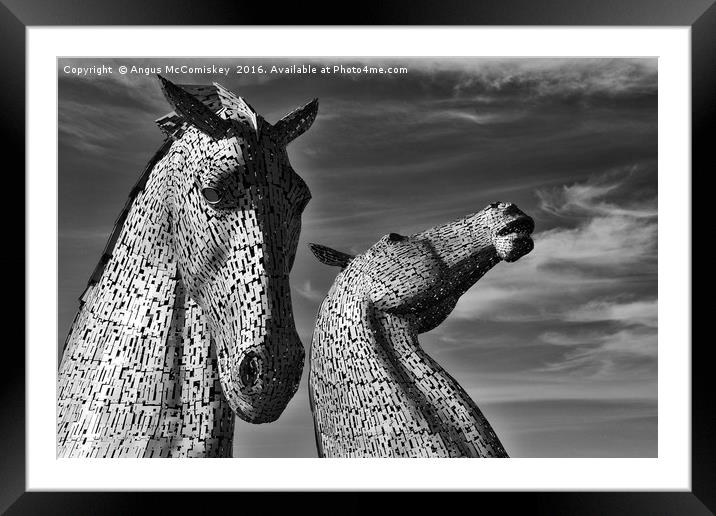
[559, 349]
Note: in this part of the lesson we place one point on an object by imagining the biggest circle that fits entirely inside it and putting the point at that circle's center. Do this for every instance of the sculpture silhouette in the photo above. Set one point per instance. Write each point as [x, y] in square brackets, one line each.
[374, 392]
[187, 319]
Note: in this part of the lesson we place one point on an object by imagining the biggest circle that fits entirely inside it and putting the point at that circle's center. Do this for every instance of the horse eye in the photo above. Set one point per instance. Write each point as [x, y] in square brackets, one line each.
[211, 195]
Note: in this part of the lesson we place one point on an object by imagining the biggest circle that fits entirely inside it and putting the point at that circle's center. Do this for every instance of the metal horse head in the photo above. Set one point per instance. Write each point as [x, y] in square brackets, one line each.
[235, 207]
[370, 377]
[425, 274]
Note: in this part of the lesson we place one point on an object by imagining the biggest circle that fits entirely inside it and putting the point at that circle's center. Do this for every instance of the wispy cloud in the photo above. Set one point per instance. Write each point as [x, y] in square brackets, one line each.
[91, 129]
[560, 77]
[642, 312]
[307, 291]
[603, 354]
[588, 199]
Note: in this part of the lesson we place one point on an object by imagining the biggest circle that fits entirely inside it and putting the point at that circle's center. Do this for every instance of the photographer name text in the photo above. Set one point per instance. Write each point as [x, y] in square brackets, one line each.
[294, 69]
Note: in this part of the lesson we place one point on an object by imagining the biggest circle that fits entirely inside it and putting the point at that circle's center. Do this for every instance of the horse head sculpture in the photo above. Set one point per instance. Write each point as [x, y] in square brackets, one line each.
[374, 391]
[235, 205]
[189, 309]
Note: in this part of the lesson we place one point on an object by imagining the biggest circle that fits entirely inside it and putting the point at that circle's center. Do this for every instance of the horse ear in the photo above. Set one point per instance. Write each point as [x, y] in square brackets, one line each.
[194, 111]
[330, 256]
[295, 123]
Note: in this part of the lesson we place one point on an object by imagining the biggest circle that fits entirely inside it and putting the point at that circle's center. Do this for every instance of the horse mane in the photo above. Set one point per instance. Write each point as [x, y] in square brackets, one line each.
[215, 97]
[119, 222]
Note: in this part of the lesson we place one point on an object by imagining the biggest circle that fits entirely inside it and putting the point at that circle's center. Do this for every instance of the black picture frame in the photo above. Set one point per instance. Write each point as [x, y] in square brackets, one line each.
[17, 15]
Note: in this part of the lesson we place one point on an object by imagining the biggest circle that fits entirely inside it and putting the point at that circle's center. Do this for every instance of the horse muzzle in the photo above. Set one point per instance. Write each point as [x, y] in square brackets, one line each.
[513, 239]
[267, 377]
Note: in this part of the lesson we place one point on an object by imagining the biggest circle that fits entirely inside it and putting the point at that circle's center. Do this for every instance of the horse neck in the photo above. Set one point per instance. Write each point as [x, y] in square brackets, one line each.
[376, 362]
[348, 324]
[440, 400]
[141, 268]
[132, 291]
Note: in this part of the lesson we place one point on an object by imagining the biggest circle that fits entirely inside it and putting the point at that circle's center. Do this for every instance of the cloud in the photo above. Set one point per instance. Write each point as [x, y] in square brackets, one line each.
[91, 128]
[588, 199]
[307, 291]
[642, 312]
[600, 354]
[557, 77]
[393, 112]
[561, 77]
[482, 117]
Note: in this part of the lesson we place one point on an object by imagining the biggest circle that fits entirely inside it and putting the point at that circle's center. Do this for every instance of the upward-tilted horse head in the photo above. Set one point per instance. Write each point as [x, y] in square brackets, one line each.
[373, 390]
[425, 274]
[187, 318]
[235, 204]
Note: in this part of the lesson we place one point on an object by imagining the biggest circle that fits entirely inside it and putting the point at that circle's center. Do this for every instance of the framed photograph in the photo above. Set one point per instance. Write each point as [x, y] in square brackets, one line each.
[319, 252]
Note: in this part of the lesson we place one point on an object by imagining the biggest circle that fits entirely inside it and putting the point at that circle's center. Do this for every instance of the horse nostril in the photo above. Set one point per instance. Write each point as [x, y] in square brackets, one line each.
[249, 369]
[510, 209]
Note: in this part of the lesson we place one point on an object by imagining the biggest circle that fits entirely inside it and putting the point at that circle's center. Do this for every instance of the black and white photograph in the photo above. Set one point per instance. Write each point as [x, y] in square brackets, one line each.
[357, 257]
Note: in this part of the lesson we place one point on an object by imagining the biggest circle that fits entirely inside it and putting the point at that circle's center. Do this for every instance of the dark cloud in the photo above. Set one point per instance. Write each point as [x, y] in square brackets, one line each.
[559, 348]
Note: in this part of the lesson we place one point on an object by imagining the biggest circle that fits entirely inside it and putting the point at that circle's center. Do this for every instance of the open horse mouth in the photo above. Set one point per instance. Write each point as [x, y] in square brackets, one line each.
[522, 224]
[512, 241]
